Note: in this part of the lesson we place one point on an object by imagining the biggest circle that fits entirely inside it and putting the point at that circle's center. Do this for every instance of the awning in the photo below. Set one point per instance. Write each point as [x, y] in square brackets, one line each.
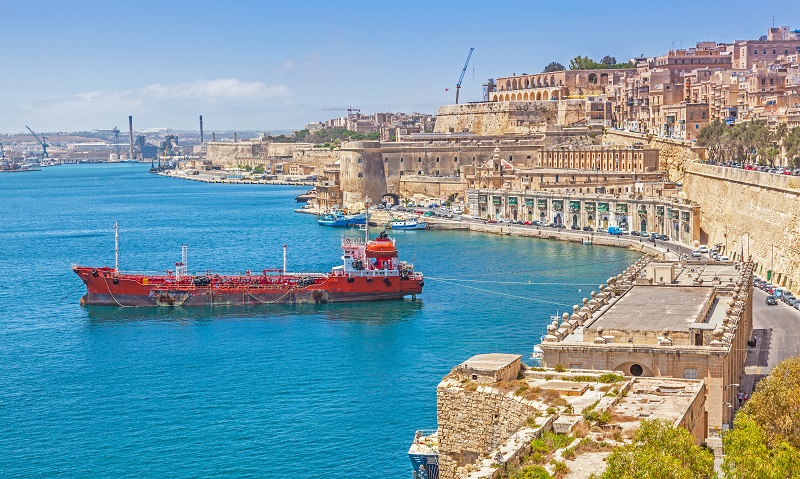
[528, 201]
[558, 205]
[575, 205]
[589, 206]
[496, 200]
[512, 200]
[542, 203]
[602, 207]
[622, 208]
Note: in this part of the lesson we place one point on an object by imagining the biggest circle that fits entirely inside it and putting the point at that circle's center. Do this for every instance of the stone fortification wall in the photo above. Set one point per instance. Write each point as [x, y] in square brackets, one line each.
[473, 423]
[255, 152]
[362, 172]
[430, 187]
[237, 153]
[315, 156]
[758, 213]
[504, 118]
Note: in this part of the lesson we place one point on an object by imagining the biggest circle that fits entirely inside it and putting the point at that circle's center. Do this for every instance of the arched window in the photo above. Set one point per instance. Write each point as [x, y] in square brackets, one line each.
[592, 78]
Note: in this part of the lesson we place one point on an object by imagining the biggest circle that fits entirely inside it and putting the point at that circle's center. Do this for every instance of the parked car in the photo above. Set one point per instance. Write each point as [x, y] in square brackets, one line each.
[635, 233]
[588, 228]
[696, 254]
[601, 230]
[527, 223]
[575, 227]
[724, 258]
[664, 237]
[560, 226]
[492, 221]
[645, 234]
[703, 248]
[771, 300]
[790, 300]
[797, 305]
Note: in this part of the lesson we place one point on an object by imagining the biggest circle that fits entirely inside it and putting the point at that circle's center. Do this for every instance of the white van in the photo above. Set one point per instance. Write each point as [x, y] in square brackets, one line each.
[703, 248]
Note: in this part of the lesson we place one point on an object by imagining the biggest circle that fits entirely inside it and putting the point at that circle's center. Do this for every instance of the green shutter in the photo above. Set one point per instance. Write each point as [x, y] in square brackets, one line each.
[481, 198]
[512, 200]
[542, 203]
[528, 201]
[622, 208]
[602, 207]
[589, 206]
[496, 200]
[558, 205]
[574, 206]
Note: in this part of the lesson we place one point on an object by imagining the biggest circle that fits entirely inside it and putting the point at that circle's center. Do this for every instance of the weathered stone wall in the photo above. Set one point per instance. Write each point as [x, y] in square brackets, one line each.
[430, 187]
[757, 213]
[472, 423]
[503, 118]
[237, 153]
[314, 156]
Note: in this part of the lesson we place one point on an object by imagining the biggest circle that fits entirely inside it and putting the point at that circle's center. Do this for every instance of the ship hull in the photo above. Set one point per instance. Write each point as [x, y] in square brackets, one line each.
[105, 287]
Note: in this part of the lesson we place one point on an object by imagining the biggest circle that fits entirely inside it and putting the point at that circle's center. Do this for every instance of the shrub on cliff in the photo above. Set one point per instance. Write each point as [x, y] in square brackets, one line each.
[660, 450]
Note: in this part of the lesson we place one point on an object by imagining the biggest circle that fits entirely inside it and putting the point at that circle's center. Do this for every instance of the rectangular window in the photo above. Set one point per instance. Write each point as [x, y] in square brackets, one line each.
[689, 373]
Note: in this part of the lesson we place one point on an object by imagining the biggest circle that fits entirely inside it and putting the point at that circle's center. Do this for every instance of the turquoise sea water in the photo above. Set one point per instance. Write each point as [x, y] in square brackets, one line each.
[277, 391]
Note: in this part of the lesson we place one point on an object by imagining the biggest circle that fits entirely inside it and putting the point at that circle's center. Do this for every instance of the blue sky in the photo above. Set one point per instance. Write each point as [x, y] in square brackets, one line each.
[74, 65]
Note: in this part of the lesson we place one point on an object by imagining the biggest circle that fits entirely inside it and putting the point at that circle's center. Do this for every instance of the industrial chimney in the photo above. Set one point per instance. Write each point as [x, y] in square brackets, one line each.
[201, 130]
[213, 136]
[130, 135]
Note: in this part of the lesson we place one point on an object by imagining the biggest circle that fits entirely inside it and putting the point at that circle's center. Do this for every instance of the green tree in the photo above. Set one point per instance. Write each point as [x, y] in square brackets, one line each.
[608, 61]
[553, 67]
[749, 453]
[775, 405]
[660, 451]
[583, 63]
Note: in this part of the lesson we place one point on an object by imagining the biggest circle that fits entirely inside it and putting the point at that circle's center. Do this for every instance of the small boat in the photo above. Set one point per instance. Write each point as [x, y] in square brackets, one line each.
[424, 455]
[587, 241]
[308, 195]
[338, 219]
[409, 224]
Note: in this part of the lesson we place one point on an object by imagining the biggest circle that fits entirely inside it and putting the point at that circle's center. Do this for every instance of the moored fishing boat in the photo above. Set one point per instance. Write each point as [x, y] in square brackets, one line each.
[424, 455]
[409, 224]
[370, 271]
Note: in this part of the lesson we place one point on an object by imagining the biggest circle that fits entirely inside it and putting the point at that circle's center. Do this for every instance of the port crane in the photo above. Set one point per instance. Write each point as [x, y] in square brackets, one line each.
[461, 78]
[349, 110]
[42, 141]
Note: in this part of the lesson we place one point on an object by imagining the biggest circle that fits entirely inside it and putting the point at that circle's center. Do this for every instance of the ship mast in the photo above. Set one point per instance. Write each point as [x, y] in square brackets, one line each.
[116, 247]
[284, 260]
[366, 221]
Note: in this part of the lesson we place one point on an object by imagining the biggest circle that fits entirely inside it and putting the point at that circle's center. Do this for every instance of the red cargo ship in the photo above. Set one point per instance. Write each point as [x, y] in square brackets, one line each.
[371, 271]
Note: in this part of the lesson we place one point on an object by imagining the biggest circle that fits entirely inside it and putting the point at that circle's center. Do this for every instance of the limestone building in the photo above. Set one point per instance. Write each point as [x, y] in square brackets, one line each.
[679, 320]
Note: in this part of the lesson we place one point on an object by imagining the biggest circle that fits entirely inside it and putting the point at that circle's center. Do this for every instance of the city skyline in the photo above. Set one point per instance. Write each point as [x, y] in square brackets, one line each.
[252, 66]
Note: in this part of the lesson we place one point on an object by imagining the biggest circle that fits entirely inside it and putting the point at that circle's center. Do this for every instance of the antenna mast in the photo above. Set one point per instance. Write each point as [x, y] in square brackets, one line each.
[284, 260]
[116, 247]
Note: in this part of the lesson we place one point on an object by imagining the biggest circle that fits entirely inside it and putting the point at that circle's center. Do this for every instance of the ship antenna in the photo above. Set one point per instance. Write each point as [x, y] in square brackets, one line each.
[116, 247]
[284, 260]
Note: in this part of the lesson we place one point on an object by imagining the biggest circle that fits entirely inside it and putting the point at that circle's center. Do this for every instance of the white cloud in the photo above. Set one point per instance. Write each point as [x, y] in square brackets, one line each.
[215, 90]
[288, 65]
[96, 109]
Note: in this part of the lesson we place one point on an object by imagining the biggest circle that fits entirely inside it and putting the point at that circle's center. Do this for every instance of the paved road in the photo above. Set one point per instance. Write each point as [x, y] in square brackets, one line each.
[777, 330]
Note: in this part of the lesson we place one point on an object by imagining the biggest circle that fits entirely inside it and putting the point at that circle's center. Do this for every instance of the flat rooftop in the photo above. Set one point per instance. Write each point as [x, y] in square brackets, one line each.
[490, 362]
[655, 308]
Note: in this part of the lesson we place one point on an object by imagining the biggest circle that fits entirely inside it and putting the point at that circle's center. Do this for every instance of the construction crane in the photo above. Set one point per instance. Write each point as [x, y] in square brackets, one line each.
[349, 110]
[42, 141]
[461, 78]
